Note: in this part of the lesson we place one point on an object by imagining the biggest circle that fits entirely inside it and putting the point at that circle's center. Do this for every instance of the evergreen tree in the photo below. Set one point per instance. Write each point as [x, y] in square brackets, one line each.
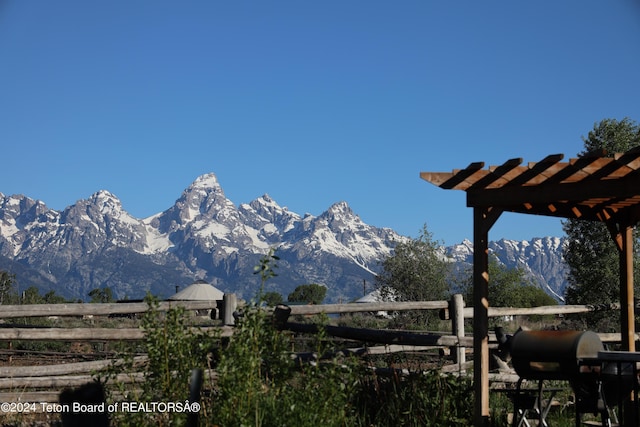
[591, 254]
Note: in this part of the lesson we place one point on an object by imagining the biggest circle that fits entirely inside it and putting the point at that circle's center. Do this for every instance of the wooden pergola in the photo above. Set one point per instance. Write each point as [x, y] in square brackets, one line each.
[593, 187]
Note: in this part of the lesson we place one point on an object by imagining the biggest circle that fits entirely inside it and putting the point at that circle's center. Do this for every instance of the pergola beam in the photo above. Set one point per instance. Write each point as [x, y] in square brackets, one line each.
[571, 192]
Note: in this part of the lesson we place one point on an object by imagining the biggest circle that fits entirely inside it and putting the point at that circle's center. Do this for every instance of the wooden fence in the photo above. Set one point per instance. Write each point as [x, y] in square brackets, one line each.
[18, 382]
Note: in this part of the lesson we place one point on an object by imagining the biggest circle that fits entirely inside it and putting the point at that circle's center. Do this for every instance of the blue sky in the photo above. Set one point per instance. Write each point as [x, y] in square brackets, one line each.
[310, 102]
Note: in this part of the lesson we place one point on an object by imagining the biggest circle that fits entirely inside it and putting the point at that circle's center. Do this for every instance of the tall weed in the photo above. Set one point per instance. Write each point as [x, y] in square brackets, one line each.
[174, 349]
[261, 384]
[421, 399]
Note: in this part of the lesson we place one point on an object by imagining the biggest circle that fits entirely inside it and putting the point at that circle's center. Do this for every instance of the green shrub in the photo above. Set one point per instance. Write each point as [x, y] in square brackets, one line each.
[173, 349]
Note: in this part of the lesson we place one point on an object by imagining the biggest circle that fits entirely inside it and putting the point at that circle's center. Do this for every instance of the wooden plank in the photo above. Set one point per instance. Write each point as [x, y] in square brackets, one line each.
[36, 310]
[88, 334]
[534, 169]
[62, 381]
[65, 368]
[30, 397]
[497, 173]
[367, 307]
[462, 175]
[382, 336]
[436, 178]
[542, 310]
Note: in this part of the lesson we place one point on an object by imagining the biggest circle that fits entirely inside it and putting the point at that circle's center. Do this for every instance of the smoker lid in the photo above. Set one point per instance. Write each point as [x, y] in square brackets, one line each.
[552, 354]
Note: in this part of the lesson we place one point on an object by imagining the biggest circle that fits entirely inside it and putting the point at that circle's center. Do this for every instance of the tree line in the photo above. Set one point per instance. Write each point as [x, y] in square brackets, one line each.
[32, 295]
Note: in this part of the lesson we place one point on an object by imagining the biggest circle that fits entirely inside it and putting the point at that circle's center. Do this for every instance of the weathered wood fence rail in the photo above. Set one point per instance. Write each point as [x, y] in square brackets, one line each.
[26, 379]
[88, 333]
[40, 310]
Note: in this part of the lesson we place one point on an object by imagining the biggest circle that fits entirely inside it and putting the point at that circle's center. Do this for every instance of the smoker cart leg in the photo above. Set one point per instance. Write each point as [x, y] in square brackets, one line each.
[532, 400]
[519, 413]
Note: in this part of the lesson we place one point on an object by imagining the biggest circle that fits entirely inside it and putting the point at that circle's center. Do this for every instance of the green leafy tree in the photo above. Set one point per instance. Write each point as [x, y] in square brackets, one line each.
[101, 295]
[52, 298]
[272, 298]
[308, 294]
[31, 295]
[590, 253]
[416, 271]
[508, 287]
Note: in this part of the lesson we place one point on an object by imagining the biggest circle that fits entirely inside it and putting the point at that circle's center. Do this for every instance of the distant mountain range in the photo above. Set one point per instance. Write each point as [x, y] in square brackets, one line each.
[95, 243]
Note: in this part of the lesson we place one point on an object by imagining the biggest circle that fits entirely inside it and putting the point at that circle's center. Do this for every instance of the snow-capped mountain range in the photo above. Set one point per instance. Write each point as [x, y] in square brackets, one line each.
[540, 258]
[94, 243]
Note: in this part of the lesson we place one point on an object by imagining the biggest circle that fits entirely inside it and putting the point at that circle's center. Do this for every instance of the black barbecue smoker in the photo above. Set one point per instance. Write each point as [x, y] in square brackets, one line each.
[600, 382]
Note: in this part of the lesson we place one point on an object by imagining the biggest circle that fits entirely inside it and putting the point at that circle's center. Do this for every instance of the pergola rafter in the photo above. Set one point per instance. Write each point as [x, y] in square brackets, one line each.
[593, 187]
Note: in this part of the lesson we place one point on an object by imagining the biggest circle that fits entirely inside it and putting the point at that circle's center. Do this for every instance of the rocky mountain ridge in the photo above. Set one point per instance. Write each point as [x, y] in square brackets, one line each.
[540, 258]
[95, 243]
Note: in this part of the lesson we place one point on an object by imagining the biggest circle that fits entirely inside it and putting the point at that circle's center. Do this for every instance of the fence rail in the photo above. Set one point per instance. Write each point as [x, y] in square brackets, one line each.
[43, 310]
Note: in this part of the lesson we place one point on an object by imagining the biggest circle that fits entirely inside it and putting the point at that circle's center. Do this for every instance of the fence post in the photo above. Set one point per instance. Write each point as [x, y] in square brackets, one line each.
[229, 306]
[456, 307]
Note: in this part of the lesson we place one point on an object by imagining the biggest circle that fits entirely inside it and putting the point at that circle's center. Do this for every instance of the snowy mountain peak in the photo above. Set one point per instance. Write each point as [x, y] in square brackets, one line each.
[206, 181]
[204, 187]
[340, 207]
[266, 198]
[269, 218]
[203, 198]
[340, 212]
[266, 202]
[106, 202]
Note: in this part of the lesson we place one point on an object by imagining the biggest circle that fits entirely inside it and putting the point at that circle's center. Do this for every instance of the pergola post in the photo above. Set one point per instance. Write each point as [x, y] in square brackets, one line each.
[622, 234]
[483, 220]
[627, 312]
